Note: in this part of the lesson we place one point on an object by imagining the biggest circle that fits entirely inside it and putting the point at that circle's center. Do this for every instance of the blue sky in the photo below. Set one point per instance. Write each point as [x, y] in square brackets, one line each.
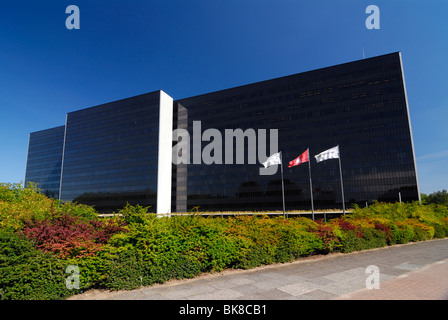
[188, 47]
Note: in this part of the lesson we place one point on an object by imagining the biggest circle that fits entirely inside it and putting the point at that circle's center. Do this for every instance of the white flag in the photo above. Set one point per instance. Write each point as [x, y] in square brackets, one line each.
[274, 159]
[332, 153]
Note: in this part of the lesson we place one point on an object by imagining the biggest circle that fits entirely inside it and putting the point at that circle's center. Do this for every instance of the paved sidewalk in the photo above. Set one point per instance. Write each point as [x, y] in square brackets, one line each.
[412, 271]
[427, 283]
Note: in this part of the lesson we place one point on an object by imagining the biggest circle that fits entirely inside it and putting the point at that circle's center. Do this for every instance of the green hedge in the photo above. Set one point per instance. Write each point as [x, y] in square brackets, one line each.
[26, 273]
[140, 249]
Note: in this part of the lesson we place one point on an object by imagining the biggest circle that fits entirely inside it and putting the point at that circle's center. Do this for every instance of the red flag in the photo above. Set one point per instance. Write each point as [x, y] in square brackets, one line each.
[304, 157]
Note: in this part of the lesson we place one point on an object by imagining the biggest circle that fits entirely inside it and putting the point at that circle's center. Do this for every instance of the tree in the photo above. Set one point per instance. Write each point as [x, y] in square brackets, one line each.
[439, 197]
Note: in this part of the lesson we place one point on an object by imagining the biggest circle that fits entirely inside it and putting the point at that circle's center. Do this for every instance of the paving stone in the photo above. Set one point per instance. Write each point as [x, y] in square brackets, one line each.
[269, 284]
[239, 281]
[153, 297]
[299, 288]
[302, 297]
[272, 294]
[408, 266]
[223, 284]
[182, 293]
[321, 295]
[293, 278]
[248, 289]
[358, 273]
[224, 294]
[344, 287]
[321, 281]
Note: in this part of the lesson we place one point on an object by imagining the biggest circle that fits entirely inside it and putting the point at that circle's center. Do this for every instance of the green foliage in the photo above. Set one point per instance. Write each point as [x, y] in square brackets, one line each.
[39, 237]
[439, 197]
[135, 214]
[401, 233]
[19, 204]
[27, 273]
[294, 241]
[93, 270]
[168, 248]
[371, 238]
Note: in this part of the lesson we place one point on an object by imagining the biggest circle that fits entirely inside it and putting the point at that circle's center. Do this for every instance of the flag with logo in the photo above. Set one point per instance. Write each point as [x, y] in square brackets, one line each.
[272, 160]
[304, 157]
[332, 153]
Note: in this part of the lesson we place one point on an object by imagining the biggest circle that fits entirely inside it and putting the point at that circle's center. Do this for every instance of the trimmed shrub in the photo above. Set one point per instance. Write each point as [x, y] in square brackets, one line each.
[295, 240]
[439, 231]
[126, 272]
[27, 273]
[372, 238]
[327, 234]
[402, 233]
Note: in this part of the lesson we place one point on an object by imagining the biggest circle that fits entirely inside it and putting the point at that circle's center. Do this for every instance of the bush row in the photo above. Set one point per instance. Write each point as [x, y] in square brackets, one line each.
[40, 237]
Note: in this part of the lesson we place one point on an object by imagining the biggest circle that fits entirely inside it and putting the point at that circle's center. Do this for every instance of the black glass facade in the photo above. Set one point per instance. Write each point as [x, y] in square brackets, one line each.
[360, 106]
[180, 170]
[45, 159]
[110, 154]
[116, 153]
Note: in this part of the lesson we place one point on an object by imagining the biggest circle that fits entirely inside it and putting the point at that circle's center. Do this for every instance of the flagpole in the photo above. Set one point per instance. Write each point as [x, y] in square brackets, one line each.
[342, 185]
[283, 187]
[311, 184]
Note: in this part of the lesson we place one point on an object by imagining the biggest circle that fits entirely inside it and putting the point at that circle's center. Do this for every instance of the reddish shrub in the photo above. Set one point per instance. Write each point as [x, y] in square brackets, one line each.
[326, 233]
[68, 236]
[103, 230]
[347, 226]
[384, 228]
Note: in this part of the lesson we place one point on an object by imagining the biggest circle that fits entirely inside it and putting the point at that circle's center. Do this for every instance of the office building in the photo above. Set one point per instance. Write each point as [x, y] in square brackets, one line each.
[112, 153]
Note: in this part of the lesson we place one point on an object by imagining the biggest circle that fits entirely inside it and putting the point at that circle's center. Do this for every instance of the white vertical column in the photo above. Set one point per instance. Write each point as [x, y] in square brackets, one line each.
[165, 154]
[410, 128]
[63, 155]
[27, 155]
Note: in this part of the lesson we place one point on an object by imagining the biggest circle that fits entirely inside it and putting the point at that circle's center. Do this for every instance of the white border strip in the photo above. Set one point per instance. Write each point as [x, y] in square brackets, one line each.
[164, 166]
[63, 155]
[26, 164]
[410, 128]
